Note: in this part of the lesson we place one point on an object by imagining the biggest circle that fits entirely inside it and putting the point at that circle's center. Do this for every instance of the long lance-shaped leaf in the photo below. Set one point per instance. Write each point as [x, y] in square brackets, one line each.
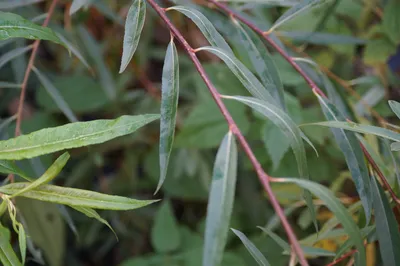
[15, 26]
[386, 227]
[75, 197]
[295, 11]
[9, 167]
[365, 129]
[249, 81]
[73, 50]
[352, 152]
[22, 242]
[7, 254]
[339, 211]
[253, 250]
[220, 202]
[93, 214]
[169, 106]
[70, 136]
[78, 4]
[55, 95]
[205, 26]
[133, 29]
[395, 106]
[6, 4]
[263, 63]
[49, 175]
[321, 38]
[7, 57]
[292, 132]
[9, 85]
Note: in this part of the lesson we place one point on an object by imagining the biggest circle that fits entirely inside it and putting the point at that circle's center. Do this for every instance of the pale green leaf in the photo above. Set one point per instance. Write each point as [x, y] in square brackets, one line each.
[395, 107]
[55, 95]
[15, 26]
[249, 81]
[133, 29]
[165, 235]
[93, 214]
[353, 154]
[8, 85]
[49, 175]
[338, 210]
[220, 203]
[395, 146]
[75, 197]
[205, 26]
[253, 250]
[10, 55]
[386, 226]
[70, 136]
[9, 4]
[263, 63]
[78, 4]
[321, 38]
[22, 242]
[7, 254]
[169, 106]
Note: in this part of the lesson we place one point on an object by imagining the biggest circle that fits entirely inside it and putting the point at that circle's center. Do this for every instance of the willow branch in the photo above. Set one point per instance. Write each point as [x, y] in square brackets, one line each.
[264, 178]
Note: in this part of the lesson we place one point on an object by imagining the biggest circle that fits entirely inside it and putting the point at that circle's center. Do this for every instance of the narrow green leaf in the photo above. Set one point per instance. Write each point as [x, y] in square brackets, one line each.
[10, 55]
[78, 4]
[263, 63]
[282, 243]
[7, 254]
[292, 132]
[8, 85]
[55, 95]
[15, 26]
[7, 4]
[314, 252]
[386, 227]
[220, 201]
[205, 26]
[133, 29]
[22, 242]
[49, 175]
[75, 197]
[70, 136]
[74, 50]
[321, 38]
[249, 81]
[395, 146]
[169, 106]
[165, 234]
[93, 214]
[295, 11]
[395, 106]
[253, 250]
[353, 154]
[9, 167]
[365, 129]
[366, 233]
[391, 20]
[339, 211]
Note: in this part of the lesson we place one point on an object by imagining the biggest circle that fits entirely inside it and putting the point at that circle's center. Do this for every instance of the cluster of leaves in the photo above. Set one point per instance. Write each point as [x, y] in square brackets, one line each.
[285, 115]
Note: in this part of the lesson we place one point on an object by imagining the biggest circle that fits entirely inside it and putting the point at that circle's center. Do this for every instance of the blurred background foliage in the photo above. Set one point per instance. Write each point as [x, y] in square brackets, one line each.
[364, 66]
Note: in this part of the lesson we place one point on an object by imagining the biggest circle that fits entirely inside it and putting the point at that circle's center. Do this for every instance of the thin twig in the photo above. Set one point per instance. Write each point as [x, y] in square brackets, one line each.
[309, 81]
[27, 74]
[264, 178]
[348, 254]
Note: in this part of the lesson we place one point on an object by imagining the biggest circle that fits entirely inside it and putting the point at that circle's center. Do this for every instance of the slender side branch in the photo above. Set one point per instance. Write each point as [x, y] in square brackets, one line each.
[309, 81]
[264, 178]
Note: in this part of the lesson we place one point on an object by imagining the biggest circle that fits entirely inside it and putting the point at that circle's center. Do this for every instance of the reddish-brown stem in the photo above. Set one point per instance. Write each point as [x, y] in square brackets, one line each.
[348, 254]
[264, 178]
[309, 81]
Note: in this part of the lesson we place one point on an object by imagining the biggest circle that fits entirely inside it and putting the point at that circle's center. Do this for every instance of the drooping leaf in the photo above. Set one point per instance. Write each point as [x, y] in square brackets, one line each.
[220, 201]
[169, 106]
[10, 55]
[73, 50]
[263, 63]
[395, 107]
[7, 4]
[7, 254]
[253, 250]
[133, 29]
[339, 211]
[205, 26]
[78, 4]
[93, 214]
[75, 197]
[15, 26]
[352, 152]
[249, 81]
[55, 95]
[49, 175]
[321, 38]
[70, 136]
[22, 242]
[165, 235]
[295, 11]
[386, 226]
